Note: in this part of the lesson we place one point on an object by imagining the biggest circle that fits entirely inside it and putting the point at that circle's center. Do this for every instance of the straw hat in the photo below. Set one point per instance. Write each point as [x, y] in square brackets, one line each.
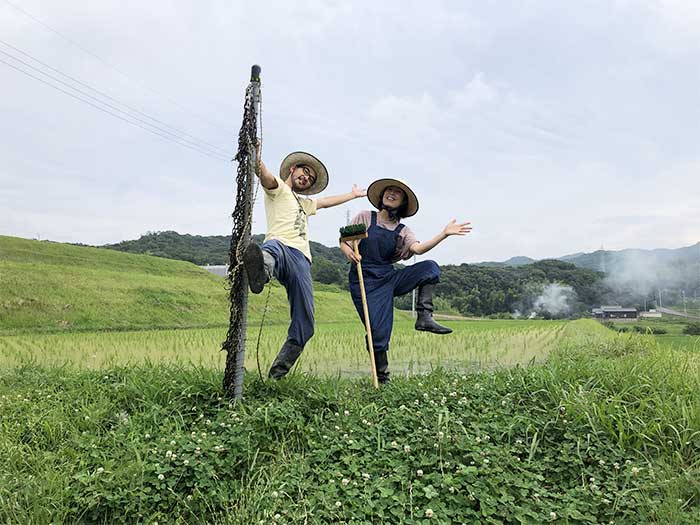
[307, 159]
[375, 190]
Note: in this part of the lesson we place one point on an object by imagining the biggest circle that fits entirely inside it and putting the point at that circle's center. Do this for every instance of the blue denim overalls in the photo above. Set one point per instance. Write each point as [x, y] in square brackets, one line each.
[383, 282]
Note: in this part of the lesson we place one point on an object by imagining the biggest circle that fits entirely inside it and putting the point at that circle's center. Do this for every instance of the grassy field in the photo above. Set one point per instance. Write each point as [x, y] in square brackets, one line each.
[335, 349]
[607, 429]
[673, 326]
[112, 410]
[52, 287]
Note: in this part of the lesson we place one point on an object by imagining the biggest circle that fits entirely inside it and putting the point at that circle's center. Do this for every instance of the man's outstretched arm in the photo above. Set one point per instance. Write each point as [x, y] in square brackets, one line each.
[267, 179]
[335, 200]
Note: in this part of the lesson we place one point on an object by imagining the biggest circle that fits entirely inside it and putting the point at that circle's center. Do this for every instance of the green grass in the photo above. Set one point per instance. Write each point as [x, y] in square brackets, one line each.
[50, 287]
[336, 348]
[674, 326]
[607, 430]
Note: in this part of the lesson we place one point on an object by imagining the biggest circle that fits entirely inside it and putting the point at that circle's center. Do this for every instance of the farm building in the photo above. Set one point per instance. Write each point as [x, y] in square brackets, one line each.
[615, 312]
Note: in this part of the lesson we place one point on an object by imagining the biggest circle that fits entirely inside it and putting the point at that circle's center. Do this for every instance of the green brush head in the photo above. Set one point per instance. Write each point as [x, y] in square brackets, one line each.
[352, 229]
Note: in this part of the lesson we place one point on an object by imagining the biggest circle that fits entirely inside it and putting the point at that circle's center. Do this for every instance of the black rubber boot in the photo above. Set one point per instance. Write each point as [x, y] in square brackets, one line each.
[424, 309]
[285, 360]
[381, 361]
[259, 267]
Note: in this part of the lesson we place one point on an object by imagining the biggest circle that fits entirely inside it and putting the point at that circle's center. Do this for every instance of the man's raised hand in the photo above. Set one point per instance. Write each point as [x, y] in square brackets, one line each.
[357, 191]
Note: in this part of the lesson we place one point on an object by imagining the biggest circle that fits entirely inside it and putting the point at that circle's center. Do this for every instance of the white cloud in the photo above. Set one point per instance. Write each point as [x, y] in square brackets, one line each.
[530, 119]
[475, 93]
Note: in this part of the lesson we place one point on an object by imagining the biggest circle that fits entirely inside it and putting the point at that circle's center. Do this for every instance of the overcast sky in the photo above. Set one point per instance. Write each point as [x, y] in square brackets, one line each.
[554, 127]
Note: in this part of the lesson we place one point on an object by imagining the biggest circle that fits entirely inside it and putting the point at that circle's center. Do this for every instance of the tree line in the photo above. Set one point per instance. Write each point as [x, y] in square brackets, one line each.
[466, 288]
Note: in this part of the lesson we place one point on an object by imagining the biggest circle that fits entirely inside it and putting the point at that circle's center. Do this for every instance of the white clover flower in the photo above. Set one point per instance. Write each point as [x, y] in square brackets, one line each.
[406, 449]
[419, 472]
[616, 466]
[429, 513]
[169, 453]
[634, 471]
[161, 477]
[345, 482]
[172, 442]
[394, 444]
[100, 470]
[350, 441]
[189, 497]
[346, 412]
[274, 494]
[365, 475]
[338, 504]
[186, 462]
[552, 515]
[441, 435]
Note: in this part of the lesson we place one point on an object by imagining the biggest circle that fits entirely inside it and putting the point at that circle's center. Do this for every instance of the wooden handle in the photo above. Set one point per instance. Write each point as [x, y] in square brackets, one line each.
[368, 326]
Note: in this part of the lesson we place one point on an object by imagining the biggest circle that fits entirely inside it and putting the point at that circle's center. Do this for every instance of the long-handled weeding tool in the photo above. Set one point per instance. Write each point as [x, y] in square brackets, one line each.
[355, 233]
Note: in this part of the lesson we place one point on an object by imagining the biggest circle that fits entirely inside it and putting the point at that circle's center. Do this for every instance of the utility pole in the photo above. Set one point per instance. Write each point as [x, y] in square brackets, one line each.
[685, 308]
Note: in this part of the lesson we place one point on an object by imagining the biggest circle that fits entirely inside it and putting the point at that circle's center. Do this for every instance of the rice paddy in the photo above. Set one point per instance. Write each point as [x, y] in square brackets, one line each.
[336, 348]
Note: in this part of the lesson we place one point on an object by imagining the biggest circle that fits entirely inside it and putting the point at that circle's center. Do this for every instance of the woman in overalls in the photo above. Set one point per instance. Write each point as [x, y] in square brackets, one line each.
[389, 241]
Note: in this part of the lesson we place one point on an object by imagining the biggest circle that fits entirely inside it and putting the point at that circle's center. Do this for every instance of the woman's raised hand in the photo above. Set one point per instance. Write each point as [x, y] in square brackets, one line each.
[453, 228]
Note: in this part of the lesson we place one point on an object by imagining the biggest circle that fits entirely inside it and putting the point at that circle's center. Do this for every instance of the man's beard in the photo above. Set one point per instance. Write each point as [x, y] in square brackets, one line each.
[297, 188]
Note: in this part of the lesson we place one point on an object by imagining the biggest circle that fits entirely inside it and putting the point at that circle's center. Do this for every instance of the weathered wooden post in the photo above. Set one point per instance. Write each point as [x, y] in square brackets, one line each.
[240, 237]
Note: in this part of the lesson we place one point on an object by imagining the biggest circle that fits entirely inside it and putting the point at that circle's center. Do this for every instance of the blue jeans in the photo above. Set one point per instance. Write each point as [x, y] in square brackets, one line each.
[293, 270]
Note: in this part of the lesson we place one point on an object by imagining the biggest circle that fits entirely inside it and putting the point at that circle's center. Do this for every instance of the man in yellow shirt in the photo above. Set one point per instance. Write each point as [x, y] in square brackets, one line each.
[285, 253]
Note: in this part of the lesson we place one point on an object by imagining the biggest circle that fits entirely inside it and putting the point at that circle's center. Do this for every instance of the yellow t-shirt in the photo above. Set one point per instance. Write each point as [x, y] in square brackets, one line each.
[287, 217]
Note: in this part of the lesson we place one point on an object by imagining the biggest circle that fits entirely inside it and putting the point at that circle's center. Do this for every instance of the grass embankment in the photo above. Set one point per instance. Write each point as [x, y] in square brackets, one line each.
[608, 430]
[49, 287]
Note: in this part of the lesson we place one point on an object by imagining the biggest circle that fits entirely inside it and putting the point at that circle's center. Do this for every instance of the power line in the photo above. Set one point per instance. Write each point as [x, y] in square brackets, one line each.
[167, 137]
[115, 68]
[106, 95]
[111, 106]
[164, 132]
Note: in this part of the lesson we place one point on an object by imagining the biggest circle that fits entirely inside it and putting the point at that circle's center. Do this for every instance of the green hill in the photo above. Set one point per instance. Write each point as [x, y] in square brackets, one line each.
[47, 286]
[329, 264]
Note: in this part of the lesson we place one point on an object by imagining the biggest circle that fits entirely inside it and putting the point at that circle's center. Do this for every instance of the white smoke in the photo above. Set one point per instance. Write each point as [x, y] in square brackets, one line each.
[556, 299]
[638, 276]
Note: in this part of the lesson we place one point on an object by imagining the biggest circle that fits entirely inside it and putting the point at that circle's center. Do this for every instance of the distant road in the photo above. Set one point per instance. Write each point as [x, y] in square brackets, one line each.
[669, 311]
